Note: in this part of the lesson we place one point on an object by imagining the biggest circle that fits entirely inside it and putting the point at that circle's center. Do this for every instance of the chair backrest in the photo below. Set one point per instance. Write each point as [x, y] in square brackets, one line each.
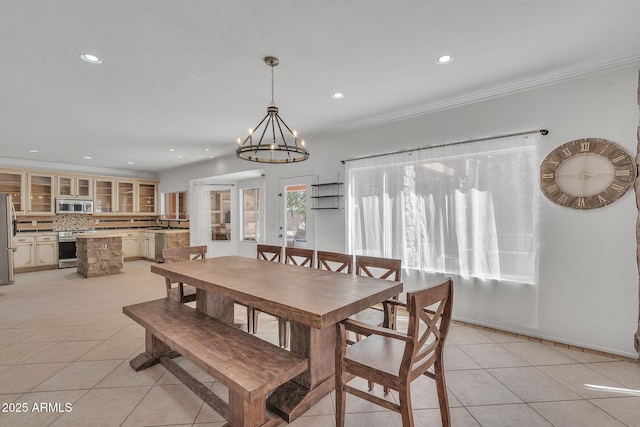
[380, 268]
[189, 253]
[298, 256]
[429, 320]
[334, 261]
[269, 253]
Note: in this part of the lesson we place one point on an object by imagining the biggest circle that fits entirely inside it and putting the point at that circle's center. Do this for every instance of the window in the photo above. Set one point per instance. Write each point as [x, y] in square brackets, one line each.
[175, 205]
[220, 214]
[469, 209]
[250, 210]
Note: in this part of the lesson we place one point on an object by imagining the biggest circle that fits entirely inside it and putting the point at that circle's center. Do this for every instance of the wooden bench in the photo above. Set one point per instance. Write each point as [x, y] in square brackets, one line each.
[249, 366]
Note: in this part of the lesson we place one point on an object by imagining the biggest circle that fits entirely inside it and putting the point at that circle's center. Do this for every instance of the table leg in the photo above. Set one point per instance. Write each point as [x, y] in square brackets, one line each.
[215, 305]
[295, 397]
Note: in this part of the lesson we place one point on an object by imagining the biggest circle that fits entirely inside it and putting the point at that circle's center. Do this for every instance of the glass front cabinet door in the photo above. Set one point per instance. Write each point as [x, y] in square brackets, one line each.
[13, 183]
[147, 198]
[74, 186]
[104, 196]
[40, 194]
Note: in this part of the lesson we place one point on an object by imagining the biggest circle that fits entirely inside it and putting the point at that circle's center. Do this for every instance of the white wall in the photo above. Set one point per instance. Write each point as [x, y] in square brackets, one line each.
[588, 281]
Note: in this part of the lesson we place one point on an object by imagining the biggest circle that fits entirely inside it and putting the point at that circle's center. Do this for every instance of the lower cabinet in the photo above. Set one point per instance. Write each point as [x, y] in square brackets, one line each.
[148, 245]
[46, 250]
[24, 255]
[35, 251]
[131, 245]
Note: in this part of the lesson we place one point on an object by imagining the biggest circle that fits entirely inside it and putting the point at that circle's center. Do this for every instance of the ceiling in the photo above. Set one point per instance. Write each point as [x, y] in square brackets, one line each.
[189, 75]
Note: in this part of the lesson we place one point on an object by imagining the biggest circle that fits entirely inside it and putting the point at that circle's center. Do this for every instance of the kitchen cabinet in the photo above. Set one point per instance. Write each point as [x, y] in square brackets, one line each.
[24, 255]
[34, 192]
[74, 186]
[41, 196]
[131, 245]
[104, 190]
[46, 250]
[147, 198]
[13, 183]
[148, 245]
[35, 251]
[126, 197]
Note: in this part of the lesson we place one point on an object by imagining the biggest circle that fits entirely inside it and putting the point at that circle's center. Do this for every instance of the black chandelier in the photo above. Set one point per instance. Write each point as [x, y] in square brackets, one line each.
[275, 148]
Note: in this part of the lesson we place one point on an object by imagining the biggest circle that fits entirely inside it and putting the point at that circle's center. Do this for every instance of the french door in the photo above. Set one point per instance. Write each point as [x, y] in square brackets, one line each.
[296, 228]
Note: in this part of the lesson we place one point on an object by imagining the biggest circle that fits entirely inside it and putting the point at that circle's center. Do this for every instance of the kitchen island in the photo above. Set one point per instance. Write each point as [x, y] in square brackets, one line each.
[99, 254]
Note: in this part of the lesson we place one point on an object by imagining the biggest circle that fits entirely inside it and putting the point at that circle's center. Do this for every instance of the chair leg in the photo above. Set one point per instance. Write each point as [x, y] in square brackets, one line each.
[405, 404]
[441, 387]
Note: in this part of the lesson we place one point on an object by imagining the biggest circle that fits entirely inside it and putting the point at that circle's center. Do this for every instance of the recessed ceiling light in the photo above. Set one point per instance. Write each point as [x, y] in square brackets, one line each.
[172, 149]
[206, 149]
[86, 157]
[179, 157]
[33, 150]
[338, 95]
[130, 163]
[91, 59]
[444, 59]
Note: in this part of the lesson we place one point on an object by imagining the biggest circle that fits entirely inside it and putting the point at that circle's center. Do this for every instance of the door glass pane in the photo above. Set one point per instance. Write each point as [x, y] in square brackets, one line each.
[250, 209]
[221, 215]
[296, 215]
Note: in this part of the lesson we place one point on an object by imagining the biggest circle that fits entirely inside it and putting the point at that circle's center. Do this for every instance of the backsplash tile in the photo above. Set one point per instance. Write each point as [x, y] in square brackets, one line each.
[72, 222]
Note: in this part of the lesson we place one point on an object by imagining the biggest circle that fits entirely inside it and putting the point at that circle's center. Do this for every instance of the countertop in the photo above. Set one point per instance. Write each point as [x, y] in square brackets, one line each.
[119, 232]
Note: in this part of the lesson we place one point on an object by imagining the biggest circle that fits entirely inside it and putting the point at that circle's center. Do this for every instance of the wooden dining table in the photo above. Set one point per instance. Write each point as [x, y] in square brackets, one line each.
[312, 300]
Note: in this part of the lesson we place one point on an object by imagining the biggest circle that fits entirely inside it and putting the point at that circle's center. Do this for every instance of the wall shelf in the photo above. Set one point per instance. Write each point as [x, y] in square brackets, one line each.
[327, 195]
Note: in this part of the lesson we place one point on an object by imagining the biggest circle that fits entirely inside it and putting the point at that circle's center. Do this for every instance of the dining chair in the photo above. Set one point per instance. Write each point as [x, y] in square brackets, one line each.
[394, 359]
[380, 268]
[181, 292]
[335, 261]
[269, 253]
[298, 256]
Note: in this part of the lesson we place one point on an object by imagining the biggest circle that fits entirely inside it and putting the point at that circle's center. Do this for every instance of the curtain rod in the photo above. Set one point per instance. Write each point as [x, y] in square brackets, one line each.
[410, 150]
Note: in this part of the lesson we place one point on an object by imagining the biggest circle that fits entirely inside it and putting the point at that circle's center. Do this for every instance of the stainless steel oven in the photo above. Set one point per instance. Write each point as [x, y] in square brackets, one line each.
[67, 248]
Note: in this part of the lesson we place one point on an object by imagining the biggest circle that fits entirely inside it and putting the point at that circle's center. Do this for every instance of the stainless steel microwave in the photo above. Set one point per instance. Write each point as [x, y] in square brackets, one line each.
[74, 206]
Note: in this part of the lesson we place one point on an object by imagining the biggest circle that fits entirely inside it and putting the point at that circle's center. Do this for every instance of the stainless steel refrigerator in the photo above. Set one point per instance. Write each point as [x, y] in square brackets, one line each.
[6, 239]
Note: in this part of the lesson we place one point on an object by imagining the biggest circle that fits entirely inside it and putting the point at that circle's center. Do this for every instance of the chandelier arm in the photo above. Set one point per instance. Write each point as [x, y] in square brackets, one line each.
[251, 134]
[266, 126]
[273, 131]
[284, 140]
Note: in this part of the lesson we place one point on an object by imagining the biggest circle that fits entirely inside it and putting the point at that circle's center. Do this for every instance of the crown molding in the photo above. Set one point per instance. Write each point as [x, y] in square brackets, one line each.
[496, 92]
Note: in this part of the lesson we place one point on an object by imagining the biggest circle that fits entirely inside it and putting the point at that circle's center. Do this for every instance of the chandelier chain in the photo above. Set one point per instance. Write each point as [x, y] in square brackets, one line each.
[273, 103]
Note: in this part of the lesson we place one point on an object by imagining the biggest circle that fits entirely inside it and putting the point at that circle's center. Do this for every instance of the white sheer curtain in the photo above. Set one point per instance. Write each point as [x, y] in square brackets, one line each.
[200, 213]
[466, 209]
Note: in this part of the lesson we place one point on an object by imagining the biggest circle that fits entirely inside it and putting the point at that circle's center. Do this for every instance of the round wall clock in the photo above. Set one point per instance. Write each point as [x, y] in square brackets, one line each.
[587, 173]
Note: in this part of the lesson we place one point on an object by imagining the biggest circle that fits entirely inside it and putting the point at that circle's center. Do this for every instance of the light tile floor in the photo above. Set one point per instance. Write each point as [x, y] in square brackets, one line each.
[65, 347]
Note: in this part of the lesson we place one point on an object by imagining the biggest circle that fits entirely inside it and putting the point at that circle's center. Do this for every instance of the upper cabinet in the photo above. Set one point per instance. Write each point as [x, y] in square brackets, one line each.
[13, 183]
[147, 198]
[104, 199]
[74, 186]
[126, 197]
[41, 195]
[34, 192]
